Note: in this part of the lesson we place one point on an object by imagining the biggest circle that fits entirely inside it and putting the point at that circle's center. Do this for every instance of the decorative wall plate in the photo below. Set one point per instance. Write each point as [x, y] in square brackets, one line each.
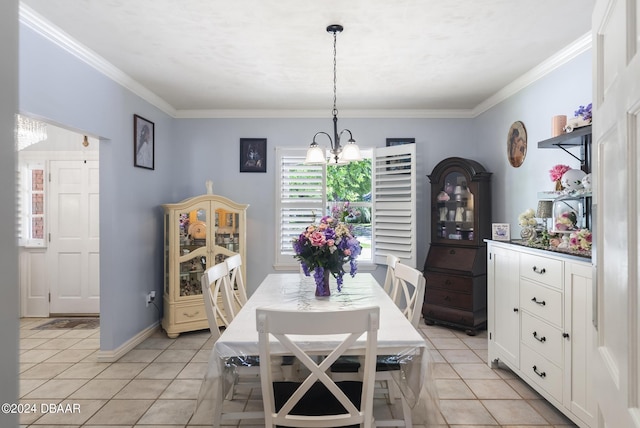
[517, 144]
[198, 230]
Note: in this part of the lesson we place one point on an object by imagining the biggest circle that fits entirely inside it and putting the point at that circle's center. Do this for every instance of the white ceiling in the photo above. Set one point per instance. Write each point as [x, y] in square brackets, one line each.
[213, 58]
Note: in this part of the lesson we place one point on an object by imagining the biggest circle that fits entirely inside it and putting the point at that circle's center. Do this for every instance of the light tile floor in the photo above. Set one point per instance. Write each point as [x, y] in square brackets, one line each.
[157, 383]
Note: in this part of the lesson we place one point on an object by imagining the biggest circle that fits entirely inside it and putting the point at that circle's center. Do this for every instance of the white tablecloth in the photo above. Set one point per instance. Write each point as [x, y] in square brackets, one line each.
[291, 291]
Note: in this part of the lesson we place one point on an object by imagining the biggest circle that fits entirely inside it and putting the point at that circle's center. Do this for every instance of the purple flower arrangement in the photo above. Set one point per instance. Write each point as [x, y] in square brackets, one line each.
[328, 245]
[584, 112]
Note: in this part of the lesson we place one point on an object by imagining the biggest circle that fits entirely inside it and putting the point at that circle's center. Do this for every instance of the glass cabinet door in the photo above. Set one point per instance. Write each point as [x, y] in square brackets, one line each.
[455, 205]
[227, 234]
[192, 248]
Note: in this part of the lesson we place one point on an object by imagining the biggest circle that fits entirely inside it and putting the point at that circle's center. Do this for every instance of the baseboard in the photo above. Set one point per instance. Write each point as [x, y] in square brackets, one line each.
[120, 351]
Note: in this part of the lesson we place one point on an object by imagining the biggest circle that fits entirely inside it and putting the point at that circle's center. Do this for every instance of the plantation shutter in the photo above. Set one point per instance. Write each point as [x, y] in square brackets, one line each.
[394, 203]
[301, 198]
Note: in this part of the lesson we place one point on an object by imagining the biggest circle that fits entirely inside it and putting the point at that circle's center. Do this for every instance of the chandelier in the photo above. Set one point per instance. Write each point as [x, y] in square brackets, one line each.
[339, 154]
[29, 131]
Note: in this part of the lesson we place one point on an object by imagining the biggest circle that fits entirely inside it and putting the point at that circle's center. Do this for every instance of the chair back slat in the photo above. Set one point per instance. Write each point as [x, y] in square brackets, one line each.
[389, 281]
[410, 288]
[239, 288]
[215, 286]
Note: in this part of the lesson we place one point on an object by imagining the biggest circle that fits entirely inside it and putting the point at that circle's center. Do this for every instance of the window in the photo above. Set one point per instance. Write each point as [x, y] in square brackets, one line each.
[348, 190]
[31, 206]
[382, 210]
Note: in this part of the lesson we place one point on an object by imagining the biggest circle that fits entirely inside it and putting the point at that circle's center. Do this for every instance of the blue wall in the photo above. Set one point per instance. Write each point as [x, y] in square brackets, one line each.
[558, 93]
[61, 89]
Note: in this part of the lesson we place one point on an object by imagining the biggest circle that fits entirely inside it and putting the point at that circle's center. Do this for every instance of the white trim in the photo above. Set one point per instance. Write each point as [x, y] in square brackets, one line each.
[55, 35]
[115, 354]
[43, 27]
[48, 155]
[322, 114]
[576, 48]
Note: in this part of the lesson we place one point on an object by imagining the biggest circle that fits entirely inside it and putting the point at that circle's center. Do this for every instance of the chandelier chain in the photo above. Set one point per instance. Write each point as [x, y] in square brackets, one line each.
[335, 79]
[351, 152]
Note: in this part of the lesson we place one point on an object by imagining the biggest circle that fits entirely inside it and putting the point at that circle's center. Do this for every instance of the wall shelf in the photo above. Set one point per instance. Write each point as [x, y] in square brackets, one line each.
[580, 137]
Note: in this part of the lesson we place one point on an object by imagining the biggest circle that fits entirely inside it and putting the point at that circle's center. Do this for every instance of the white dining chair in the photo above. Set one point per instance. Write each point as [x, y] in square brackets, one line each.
[389, 280]
[215, 286]
[409, 288]
[317, 401]
[215, 282]
[236, 282]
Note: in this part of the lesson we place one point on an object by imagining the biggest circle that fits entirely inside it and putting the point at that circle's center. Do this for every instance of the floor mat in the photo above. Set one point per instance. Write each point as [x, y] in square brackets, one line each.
[70, 323]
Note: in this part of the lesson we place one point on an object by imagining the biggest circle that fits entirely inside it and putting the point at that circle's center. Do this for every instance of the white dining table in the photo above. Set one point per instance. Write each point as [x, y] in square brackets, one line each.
[396, 335]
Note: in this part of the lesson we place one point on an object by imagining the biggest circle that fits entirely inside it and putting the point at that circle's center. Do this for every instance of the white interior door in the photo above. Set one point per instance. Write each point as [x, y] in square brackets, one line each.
[73, 253]
[616, 96]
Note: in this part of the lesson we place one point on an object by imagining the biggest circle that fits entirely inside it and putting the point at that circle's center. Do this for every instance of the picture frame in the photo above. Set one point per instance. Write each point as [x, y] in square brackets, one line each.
[399, 141]
[143, 142]
[253, 155]
[517, 144]
[500, 232]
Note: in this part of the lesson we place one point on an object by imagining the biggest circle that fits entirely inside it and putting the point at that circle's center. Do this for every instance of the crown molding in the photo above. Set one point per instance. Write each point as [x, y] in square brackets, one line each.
[324, 114]
[37, 23]
[581, 45]
[55, 35]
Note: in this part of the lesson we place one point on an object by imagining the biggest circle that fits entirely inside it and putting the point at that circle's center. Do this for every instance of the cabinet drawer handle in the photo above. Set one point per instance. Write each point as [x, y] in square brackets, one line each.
[542, 303]
[539, 271]
[541, 374]
[565, 335]
[515, 309]
[452, 251]
[190, 315]
[539, 339]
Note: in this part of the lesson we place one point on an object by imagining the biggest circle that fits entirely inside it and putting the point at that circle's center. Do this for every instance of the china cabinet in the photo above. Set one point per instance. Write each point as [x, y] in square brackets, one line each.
[199, 232]
[540, 310]
[455, 267]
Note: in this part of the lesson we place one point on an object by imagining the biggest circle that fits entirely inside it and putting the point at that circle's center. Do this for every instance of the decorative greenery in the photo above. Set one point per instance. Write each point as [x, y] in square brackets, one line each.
[350, 182]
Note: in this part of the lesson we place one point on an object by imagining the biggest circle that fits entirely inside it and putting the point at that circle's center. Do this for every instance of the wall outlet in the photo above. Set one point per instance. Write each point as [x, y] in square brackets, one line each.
[149, 298]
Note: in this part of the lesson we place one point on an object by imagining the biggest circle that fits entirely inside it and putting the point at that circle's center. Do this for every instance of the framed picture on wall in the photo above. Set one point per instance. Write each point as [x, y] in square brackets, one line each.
[253, 155]
[517, 144]
[143, 142]
[399, 141]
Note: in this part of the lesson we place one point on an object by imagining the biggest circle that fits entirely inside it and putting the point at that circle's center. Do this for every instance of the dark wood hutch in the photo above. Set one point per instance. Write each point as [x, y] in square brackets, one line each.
[455, 268]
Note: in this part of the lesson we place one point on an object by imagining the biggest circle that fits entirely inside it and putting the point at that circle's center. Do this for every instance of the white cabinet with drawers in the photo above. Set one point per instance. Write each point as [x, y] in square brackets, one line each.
[539, 323]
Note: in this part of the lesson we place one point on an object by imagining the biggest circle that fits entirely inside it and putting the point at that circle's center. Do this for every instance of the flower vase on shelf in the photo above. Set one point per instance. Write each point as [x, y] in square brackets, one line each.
[322, 283]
